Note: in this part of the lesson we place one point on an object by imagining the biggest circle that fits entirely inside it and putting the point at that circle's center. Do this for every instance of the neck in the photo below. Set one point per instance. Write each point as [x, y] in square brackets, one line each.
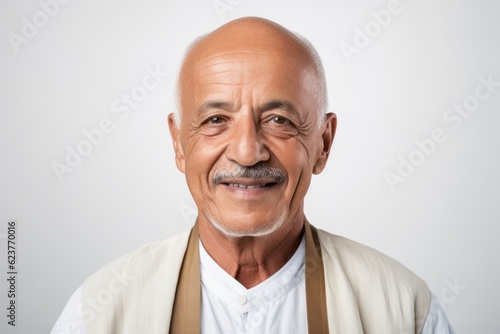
[252, 260]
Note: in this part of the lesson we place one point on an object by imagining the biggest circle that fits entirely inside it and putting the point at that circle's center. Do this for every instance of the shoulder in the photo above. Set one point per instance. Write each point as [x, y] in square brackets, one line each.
[357, 258]
[141, 282]
[382, 290]
[145, 258]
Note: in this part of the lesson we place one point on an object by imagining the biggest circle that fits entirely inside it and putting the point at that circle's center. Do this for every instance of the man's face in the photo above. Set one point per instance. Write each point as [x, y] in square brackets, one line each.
[248, 108]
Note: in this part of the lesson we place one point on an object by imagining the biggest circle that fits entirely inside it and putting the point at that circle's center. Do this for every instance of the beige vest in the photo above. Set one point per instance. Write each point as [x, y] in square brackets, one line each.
[366, 291]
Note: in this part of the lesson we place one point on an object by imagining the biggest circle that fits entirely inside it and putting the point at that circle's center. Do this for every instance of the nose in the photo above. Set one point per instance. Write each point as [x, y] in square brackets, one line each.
[246, 145]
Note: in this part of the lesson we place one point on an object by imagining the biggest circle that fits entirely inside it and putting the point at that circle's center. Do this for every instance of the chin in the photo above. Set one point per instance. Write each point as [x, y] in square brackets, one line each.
[233, 229]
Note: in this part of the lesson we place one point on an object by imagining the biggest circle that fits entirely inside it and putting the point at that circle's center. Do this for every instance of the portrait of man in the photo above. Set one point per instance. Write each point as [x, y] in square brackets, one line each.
[252, 129]
[235, 166]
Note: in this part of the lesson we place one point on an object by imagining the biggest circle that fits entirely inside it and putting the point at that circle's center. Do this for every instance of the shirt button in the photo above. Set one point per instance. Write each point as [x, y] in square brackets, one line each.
[242, 299]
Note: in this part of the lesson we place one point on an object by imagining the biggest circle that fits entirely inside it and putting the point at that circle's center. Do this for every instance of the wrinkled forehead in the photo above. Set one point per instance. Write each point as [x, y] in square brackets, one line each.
[244, 61]
[271, 73]
[268, 57]
[264, 49]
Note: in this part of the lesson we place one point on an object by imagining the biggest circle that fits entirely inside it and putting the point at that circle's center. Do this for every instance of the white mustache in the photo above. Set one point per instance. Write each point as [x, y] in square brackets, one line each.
[258, 171]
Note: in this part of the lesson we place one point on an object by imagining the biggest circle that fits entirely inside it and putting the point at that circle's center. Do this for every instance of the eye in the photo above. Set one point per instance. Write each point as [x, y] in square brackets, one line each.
[214, 120]
[214, 125]
[279, 126]
[280, 120]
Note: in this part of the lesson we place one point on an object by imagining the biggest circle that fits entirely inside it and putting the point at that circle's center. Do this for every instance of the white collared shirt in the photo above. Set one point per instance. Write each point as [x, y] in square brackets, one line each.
[277, 305]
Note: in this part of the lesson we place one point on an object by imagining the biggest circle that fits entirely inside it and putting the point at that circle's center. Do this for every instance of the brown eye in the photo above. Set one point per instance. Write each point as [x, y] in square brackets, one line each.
[279, 126]
[280, 120]
[214, 120]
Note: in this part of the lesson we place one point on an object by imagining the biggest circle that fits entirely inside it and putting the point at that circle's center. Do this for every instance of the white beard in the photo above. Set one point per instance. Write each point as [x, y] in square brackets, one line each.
[255, 232]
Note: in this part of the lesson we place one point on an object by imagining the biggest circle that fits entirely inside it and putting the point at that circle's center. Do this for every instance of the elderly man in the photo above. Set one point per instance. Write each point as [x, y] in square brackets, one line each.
[251, 131]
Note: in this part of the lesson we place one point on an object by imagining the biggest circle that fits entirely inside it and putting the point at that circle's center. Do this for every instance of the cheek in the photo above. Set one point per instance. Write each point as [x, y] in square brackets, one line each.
[299, 173]
[295, 153]
[295, 159]
[201, 156]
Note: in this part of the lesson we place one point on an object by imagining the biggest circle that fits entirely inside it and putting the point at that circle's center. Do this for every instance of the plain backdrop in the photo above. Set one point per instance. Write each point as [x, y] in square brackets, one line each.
[393, 90]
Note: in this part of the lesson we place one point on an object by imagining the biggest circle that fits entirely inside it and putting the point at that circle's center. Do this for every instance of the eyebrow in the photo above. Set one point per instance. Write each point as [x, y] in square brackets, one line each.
[214, 105]
[280, 104]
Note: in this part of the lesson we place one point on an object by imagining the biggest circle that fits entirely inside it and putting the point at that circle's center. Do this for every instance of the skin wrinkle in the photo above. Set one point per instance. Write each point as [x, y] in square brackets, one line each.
[247, 73]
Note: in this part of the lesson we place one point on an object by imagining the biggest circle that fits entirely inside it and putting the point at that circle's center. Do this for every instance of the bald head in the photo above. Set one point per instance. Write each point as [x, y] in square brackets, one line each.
[258, 36]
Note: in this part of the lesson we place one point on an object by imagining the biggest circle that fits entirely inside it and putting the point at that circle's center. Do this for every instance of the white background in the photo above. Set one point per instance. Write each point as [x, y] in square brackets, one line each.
[441, 222]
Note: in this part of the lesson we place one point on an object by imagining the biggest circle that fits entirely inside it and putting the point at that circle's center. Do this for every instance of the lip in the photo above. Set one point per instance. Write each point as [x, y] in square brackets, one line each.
[251, 186]
[248, 187]
[246, 183]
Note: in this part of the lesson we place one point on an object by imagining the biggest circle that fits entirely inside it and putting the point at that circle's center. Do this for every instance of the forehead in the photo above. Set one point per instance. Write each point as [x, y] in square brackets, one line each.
[259, 65]
[262, 71]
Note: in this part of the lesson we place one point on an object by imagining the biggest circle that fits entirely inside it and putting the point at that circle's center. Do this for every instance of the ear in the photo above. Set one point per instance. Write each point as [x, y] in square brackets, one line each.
[328, 129]
[180, 161]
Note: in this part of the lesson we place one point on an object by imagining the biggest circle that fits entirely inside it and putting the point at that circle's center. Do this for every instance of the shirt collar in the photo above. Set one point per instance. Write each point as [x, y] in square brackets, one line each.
[231, 292]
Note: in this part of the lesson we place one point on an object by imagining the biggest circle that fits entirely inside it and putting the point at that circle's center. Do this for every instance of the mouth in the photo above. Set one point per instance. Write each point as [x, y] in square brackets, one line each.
[248, 183]
[245, 189]
[249, 186]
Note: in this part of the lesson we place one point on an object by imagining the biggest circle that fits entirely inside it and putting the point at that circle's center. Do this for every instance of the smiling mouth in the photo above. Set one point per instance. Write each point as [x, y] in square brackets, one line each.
[249, 186]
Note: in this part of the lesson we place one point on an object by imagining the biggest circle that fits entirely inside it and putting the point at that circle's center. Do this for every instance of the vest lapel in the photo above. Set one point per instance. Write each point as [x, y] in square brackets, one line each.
[317, 318]
[186, 313]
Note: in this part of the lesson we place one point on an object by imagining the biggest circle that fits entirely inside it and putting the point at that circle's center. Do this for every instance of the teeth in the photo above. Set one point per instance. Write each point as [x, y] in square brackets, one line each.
[256, 186]
[246, 187]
